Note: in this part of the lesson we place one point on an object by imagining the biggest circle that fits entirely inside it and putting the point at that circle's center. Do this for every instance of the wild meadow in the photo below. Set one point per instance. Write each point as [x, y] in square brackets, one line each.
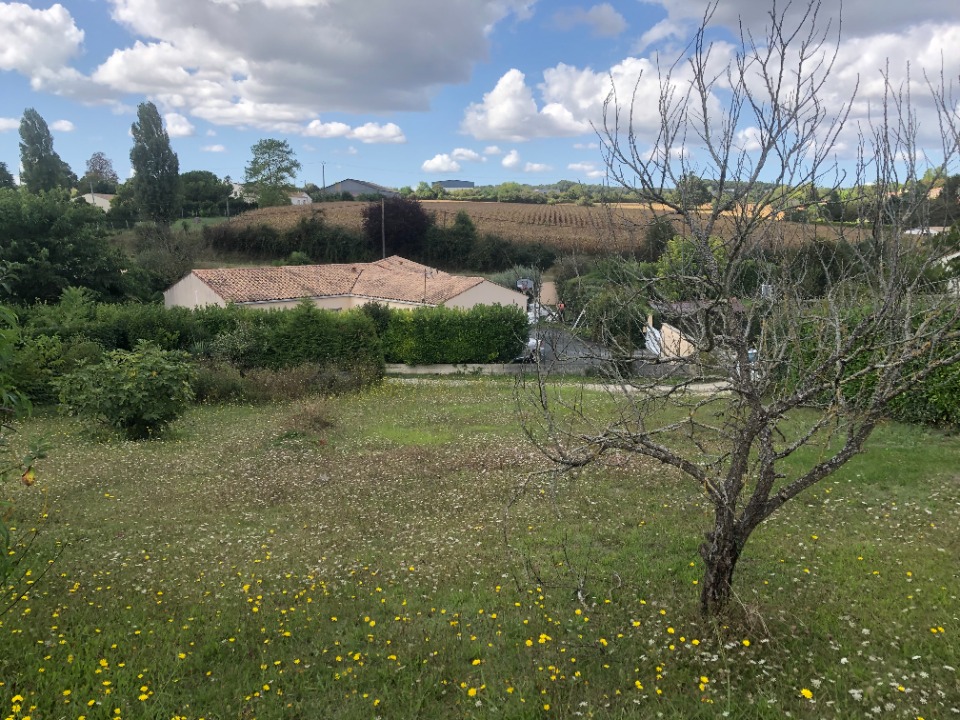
[396, 554]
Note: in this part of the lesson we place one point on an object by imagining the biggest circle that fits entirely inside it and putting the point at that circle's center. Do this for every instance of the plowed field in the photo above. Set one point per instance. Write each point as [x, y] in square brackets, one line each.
[567, 228]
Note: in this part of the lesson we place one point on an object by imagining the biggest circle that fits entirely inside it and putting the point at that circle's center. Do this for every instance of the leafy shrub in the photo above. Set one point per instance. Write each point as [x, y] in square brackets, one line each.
[218, 382]
[35, 364]
[291, 383]
[307, 334]
[485, 333]
[492, 253]
[138, 392]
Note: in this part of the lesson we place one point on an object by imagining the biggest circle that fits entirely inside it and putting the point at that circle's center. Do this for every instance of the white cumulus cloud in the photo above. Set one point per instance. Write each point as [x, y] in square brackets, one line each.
[511, 159]
[376, 133]
[531, 167]
[8, 124]
[62, 126]
[370, 133]
[278, 64]
[510, 112]
[603, 19]
[36, 42]
[441, 163]
[467, 155]
[178, 126]
[492, 150]
[214, 148]
[587, 169]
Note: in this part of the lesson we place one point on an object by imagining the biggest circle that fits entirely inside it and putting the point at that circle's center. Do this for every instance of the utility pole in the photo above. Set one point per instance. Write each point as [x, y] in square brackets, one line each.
[323, 171]
[383, 228]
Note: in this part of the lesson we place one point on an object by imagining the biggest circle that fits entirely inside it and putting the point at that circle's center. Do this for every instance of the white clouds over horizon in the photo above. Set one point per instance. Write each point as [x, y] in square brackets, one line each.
[429, 85]
[587, 169]
[450, 162]
[369, 133]
[570, 100]
[37, 42]
[603, 20]
[255, 63]
[441, 163]
[178, 126]
[531, 167]
[511, 160]
[509, 112]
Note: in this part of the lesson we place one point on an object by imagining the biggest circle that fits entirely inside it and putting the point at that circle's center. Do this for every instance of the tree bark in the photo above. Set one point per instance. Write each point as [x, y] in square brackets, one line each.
[720, 553]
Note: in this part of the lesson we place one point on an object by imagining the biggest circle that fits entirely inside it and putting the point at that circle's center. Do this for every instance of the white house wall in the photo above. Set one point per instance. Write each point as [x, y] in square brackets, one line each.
[191, 292]
[487, 293]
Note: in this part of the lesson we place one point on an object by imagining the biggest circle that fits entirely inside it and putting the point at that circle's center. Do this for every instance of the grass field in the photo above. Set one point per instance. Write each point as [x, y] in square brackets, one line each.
[567, 228]
[263, 563]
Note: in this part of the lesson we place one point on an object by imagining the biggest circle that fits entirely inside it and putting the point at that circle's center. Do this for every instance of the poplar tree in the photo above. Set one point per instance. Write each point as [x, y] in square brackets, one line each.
[156, 181]
[42, 167]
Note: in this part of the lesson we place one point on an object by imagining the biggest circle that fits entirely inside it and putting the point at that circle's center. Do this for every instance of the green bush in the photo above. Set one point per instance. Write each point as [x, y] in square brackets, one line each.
[292, 383]
[307, 334]
[935, 401]
[138, 392]
[485, 333]
[218, 382]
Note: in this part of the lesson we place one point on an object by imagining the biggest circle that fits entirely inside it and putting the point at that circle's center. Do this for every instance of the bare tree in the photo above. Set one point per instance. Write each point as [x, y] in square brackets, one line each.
[778, 345]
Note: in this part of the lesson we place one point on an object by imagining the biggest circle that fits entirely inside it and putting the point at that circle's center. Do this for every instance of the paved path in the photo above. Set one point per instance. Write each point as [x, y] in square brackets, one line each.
[548, 293]
[704, 388]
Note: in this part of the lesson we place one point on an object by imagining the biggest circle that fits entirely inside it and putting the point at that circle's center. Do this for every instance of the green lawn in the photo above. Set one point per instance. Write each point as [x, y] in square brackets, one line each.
[257, 563]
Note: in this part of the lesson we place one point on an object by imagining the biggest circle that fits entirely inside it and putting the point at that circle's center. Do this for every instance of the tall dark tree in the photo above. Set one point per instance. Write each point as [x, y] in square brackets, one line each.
[100, 176]
[6, 179]
[271, 171]
[42, 169]
[406, 224]
[156, 181]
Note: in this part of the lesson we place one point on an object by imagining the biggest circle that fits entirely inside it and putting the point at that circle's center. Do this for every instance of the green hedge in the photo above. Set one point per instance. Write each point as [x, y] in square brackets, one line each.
[57, 338]
[306, 334]
[934, 400]
[485, 333]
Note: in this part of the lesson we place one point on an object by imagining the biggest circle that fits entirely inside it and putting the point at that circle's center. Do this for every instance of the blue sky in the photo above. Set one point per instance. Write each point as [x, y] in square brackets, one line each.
[394, 91]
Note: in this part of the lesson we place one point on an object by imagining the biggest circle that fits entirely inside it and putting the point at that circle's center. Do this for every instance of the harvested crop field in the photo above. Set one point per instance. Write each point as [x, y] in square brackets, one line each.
[566, 228]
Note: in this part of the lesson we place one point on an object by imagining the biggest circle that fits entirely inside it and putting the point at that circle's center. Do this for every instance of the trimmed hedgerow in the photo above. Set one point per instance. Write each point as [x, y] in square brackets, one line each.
[485, 333]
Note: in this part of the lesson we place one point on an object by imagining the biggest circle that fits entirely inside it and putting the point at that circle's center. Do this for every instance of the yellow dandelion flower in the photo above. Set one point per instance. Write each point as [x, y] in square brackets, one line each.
[807, 693]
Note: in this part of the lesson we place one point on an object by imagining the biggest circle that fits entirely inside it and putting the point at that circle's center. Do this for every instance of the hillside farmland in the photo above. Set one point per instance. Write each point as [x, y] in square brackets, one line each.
[567, 228]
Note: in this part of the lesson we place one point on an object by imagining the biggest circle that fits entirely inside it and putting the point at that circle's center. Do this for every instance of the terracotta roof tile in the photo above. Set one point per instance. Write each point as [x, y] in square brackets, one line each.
[392, 279]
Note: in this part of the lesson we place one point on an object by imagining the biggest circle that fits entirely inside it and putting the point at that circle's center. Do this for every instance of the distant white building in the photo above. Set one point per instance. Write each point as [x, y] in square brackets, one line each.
[100, 200]
[300, 198]
[455, 184]
[357, 188]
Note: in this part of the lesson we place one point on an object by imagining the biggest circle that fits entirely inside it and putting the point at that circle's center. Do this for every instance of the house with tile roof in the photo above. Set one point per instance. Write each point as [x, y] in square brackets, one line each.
[393, 281]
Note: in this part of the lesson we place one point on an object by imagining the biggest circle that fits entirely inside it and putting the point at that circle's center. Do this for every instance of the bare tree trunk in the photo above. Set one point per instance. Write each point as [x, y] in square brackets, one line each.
[720, 553]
